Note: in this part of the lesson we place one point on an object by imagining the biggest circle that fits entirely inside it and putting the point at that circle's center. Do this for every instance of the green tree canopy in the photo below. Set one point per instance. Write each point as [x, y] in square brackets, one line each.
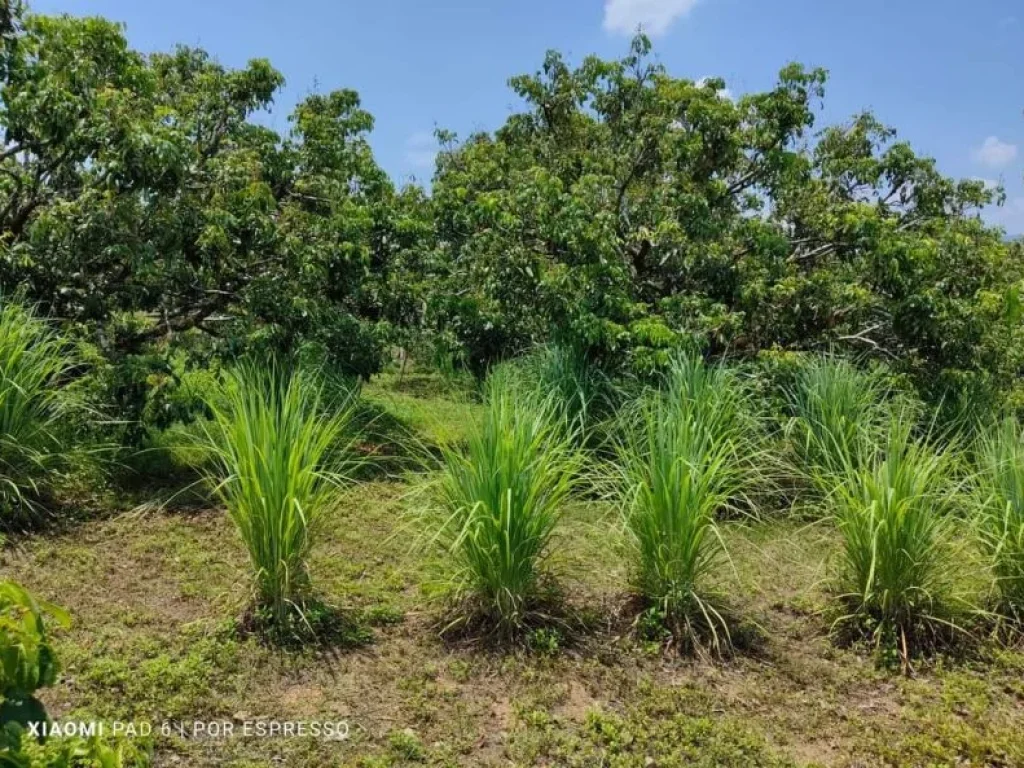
[138, 195]
[630, 211]
[622, 210]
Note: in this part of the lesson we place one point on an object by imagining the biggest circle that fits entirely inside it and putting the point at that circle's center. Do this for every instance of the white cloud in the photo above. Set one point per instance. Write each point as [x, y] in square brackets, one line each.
[421, 149]
[654, 16]
[995, 153]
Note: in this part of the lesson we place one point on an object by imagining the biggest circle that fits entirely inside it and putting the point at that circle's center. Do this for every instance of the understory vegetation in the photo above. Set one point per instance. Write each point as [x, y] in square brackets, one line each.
[839, 420]
[501, 500]
[664, 429]
[896, 517]
[34, 412]
[581, 565]
[1000, 484]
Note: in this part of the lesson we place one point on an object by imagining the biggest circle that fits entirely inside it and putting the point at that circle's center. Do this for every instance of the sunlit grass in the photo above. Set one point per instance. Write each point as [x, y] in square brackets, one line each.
[838, 417]
[689, 452]
[898, 566]
[33, 410]
[579, 388]
[278, 453]
[1000, 511]
[502, 498]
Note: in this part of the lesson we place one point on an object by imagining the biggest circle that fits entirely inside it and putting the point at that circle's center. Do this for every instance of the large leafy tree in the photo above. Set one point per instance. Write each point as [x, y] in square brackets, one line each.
[623, 211]
[629, 211]
[142, 202]
[139, 195]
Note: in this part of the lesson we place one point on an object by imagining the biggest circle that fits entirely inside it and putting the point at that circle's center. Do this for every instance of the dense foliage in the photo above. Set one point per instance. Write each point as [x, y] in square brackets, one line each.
[622, 212]
[627, 211]
[142, 204]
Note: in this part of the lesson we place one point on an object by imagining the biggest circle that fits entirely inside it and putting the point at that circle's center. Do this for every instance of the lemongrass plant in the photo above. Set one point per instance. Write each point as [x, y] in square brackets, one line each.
[277, 454]
[839, 414]
[688, 453]
[579, 388]
[33, 408]
[1000, 511]
[502, 497]
[897, 578]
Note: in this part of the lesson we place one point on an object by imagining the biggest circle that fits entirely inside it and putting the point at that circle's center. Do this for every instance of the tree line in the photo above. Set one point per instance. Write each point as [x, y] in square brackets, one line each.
[621, 211]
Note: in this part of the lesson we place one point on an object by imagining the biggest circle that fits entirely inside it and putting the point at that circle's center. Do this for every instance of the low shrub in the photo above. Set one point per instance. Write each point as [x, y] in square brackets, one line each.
[28, 662]
[27, 658]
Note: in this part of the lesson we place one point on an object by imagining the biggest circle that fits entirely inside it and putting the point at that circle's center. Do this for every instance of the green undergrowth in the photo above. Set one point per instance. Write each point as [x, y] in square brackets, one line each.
[155, 594]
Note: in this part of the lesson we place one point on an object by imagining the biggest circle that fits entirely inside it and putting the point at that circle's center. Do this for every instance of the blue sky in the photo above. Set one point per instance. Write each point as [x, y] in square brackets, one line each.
[949, 76]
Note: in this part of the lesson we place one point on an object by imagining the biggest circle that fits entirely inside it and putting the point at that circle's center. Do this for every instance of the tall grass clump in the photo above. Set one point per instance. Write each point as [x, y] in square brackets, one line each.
[276, 454]
[898, 563]
[1000, 511]
[502, 497]
[578, 386]
[689, 453]
[839, 414]
[34, 361]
